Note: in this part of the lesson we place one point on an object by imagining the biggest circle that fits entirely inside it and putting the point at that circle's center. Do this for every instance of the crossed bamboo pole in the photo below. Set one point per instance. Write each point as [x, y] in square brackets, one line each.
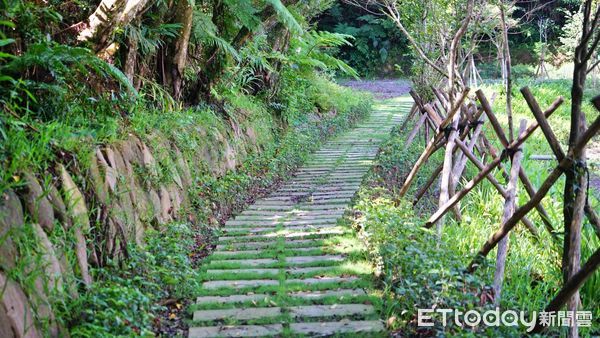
[473, 123]
[487, 169]
[511, 216]
[556, 173]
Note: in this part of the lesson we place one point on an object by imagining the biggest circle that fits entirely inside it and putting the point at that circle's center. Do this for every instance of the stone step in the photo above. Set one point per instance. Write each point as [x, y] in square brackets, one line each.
[320, 233]
[244, 253]
[316, 173]
[313, 259]
[320, 329]
[329, 179]
[246, 262]
[260, 272]
[247, 230]
[298, 270]
[328, 220]
[334, 310]
[237, 314]
[236, 331]
[233, 254]
[316, 295]
[270, 271]
[299, 243]
[316, 184]
[319, 187]
[246, 245]
[306, 295]
[320, 207]
[318, 213]
[321, 169]
[232, 299]
[310, 248]
[239, 284]
[254, 233]
[322, 280]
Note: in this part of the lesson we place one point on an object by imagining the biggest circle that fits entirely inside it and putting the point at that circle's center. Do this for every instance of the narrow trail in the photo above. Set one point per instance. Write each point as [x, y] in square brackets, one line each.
[286, 266]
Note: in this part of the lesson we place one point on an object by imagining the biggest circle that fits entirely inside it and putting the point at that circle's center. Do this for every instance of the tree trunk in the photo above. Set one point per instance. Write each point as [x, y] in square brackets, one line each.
[131, 60]
[109, 16]
[185, 15]
[575, 193]
[575, 188]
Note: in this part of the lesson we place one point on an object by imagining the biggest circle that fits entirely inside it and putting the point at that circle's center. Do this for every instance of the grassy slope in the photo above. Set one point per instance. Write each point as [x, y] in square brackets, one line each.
[165, 268]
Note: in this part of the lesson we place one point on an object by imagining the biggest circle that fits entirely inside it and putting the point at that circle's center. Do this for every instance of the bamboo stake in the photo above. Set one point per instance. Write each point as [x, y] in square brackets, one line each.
[571, 286]
[509, 209]
[410, 115]
[438, 170]
[415, 130]
[504, 141]
[596, 102]
[445, 181]
[429, 149]
[555, 147]
[433, 116]
[447, 168]
[542, 191]
[466, 189]
[454, 110]
[428, 184]
[441, 99]
[469, 186]
[526, 183]
[426, 132]
[461, 161]
[528, 224]
[544, 125]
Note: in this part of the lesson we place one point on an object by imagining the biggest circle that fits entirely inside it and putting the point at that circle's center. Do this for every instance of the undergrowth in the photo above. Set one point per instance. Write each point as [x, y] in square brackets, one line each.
[418, 272]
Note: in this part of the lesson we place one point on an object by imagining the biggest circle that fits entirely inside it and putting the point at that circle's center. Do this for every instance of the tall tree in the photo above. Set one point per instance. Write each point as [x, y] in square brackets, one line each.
[575, 192]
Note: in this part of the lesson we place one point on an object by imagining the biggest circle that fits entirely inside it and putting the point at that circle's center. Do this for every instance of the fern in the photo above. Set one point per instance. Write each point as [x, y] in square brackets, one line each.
[61, 60]
[205, 32]
[245, 12]
[285, 17]
[310, 51]
[149, 39]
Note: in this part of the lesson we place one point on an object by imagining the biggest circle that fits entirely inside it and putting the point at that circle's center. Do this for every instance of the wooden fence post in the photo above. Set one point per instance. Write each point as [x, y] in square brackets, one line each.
[509, 209]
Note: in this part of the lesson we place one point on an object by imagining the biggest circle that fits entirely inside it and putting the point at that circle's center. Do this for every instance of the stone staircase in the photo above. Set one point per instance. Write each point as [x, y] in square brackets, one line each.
[287, 266]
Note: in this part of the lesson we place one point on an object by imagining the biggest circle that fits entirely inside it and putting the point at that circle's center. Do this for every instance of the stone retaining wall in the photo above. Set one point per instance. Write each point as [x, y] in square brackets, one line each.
[100, 205]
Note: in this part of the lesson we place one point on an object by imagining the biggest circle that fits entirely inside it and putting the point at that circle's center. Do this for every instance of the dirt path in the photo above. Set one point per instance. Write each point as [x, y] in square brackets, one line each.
[286, 266]
[381, 89]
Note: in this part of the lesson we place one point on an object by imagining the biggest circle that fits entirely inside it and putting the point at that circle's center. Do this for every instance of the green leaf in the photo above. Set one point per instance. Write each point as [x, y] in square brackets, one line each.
[285, 17]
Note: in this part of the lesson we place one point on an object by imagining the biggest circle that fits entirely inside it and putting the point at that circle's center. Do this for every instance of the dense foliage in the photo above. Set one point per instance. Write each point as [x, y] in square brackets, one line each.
[545, 30]
[187, 71]
[60, 85]
[378, 49]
